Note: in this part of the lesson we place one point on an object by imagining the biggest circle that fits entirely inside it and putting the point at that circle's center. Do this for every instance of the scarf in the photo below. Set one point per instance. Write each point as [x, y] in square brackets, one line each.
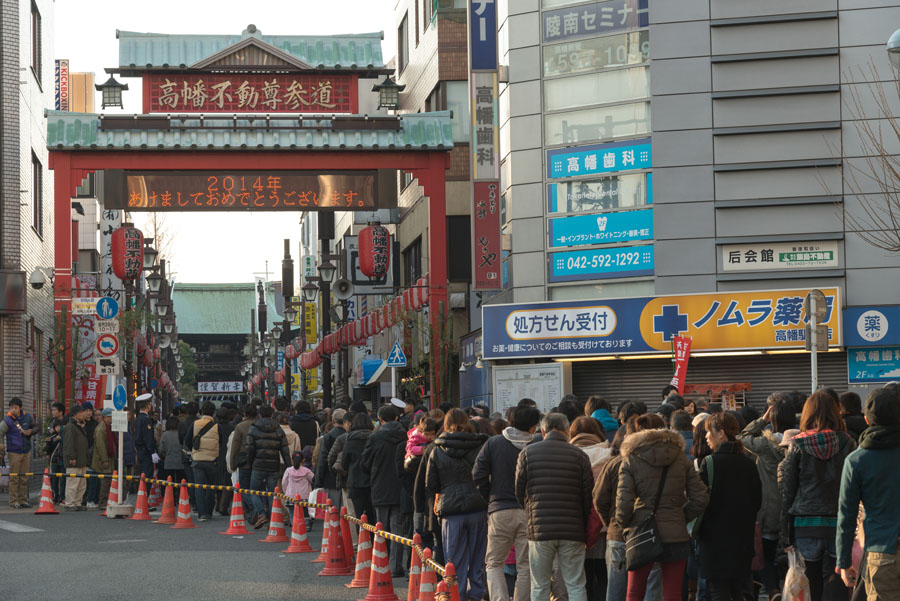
[880, 437]
[111, 443]
[608, 422]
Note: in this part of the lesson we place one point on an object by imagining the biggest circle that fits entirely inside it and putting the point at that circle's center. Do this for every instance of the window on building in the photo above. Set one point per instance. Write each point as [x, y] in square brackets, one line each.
[428, 10]
[459, 246]
[412, 262]
[86, 188]
[37, 195]
[36, 41]
[402, 45]
[416, 23]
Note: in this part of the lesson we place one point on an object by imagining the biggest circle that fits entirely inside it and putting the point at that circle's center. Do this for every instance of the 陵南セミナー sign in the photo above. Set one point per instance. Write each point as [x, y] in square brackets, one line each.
[599, 158]
[597, 18]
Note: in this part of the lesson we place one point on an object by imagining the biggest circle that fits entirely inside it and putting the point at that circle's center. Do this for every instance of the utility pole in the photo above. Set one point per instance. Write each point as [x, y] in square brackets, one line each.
[287, 290]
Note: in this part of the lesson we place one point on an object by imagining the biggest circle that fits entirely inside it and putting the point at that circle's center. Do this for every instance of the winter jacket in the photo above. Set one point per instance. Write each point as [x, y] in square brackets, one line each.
[688, 436]
[553, 484]
[297, 482]
[325, 476]
[870, 477]
[495, 469]
[856, 425]
[449, 473]
[334, 456]
[768, 454]
[238, 456]
[101, 452]
[209, 442]
[415, 443]
[379, 460]
[306, 427]
[293, 442]
[129, 453]
[423, 499]
[604, 495]
[644, 455]
[596, 450]
[267, 446]
[609, 423]
[351, 456]
[75, 445]
[726, 533]
[810, 479]
[11, 437]
[170, 451]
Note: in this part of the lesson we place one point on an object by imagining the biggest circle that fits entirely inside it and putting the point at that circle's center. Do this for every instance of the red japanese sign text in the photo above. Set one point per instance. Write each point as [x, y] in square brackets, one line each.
[682, 348]
[486, 235]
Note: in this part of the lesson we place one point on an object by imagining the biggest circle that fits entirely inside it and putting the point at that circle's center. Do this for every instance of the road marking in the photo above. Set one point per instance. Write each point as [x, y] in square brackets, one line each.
[13, 527]
[124, 540]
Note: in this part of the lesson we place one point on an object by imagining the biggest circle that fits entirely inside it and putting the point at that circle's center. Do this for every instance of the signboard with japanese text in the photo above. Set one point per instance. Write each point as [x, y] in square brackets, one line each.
[206, 191]
[602, 228]
[106, 326]
[250, 93]
[297, 303]
[84, 306]
[483, 34]
[873, 365]
[545, 383]
[595, 54]
[601, 263]
[362, 284]
[219, 387]
[107, 366]
[723, 321]
[486, 238]
[599, 158]
[110, 220]
[779, 255]
[62, 84]
[485, 126]
[310, 323]
[878, 325]
[615, 192]
[594, 19]
[681, 347]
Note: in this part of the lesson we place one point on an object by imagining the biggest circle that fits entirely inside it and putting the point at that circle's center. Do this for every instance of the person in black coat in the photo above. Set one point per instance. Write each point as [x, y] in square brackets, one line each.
[727, 529]
[351, 458]
[379, 459]
[325, 476]
[304, 424]
[266, 447]
[851, 411]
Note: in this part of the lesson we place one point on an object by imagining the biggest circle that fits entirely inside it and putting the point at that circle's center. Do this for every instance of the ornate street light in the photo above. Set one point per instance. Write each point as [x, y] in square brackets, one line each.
[162, 308]
[310, 291]
[276, 334]
[893, 49]
[111, 91]
[290, 313]
[150, 255]
[154, 280]
[388, 93]
[327, 271]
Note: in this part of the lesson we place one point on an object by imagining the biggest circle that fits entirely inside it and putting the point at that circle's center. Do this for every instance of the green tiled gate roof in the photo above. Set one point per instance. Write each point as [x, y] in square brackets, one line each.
[219, 308]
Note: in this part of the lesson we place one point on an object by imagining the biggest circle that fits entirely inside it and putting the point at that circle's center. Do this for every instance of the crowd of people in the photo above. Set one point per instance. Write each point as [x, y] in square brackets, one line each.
[584, 503]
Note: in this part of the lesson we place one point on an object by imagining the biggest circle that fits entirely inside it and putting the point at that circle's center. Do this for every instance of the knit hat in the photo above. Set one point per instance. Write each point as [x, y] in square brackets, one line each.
[883, 407]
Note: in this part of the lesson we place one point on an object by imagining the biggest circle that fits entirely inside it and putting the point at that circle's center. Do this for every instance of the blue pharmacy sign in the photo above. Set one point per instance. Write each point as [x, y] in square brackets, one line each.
[597, 18]
[598, 158]
[873, 365]
[871, 326]
[603, 228]
[601, 263]
[483, 34]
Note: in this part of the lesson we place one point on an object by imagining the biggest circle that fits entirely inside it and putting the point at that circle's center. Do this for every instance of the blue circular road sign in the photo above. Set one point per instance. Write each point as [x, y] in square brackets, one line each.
[107, 307]
[120, 398]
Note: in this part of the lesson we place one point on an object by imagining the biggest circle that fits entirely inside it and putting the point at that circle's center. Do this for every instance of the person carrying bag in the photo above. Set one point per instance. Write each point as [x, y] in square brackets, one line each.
[643, 544]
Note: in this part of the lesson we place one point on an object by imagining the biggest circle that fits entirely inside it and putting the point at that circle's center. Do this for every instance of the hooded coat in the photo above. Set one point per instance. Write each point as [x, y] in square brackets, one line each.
[768, 454]
[267, 446]
[379, 460]
[605, 487]
[810, 478]
[357, 477]
[495, 469]
[449, 473]
[684, 496]
[306, 427]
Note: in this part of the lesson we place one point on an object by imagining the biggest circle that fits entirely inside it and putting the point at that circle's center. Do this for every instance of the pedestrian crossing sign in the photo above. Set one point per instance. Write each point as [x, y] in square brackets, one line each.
[396, 358]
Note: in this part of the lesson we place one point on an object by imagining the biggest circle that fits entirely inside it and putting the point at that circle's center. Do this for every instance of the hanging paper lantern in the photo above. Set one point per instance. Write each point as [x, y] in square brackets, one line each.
[127, 252]
[279, 377]
[374, 250]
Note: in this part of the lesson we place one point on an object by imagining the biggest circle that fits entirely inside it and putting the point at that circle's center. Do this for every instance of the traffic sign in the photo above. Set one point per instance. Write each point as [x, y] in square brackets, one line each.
[108, 366]
[120, 421]
[106, 326]
[107, 345]
[120, 397]
[821, 305]
[107, 307]
[396, 358]
[84, 306]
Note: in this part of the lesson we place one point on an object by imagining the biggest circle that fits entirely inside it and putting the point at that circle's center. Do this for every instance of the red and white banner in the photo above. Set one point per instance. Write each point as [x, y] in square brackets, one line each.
[486, 235]
[682, 350]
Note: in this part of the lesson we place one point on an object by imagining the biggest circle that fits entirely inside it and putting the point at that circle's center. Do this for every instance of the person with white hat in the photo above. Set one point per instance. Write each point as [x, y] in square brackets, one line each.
[144, 436]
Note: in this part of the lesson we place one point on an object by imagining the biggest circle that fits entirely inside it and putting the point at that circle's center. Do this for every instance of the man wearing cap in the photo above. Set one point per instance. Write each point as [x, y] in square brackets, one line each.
[16, 430]
[144, 436]
[75, 455]
[870, 476]
[104, 453]
[325, 476]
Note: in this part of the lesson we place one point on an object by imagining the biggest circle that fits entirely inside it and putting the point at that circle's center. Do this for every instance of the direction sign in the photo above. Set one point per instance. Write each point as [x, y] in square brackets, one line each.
[396, 358]
[108, 366]
[120, 397]
[107, 345]
[106, 326]
[107, 307]
[84, 306]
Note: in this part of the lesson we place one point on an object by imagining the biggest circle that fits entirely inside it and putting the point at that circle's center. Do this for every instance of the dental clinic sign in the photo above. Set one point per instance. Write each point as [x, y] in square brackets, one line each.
[599, 158]
[604, 228]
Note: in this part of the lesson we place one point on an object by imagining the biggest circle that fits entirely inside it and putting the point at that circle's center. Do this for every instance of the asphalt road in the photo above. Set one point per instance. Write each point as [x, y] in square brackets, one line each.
[81, 556]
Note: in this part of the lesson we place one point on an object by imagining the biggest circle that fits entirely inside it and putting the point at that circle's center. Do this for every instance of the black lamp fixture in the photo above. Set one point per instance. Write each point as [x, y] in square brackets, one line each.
[154, 281]
[111, 91]
[150, 255]
[388, 93]
[310, 291]
[327, 271]
[290, 313]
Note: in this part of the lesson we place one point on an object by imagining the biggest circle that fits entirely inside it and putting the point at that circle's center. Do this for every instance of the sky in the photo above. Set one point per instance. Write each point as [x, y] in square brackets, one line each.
[218, 247]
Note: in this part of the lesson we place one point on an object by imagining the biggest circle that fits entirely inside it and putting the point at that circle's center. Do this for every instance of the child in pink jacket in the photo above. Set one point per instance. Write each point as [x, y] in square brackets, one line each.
[297, 481]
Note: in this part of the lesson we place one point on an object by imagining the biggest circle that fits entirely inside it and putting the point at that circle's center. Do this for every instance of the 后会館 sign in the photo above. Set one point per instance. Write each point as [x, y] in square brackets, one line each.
[599, 158]
[780, 255]
[601, 263]
[873, 365]
[868, 326]
[603, 228]
[767, 319]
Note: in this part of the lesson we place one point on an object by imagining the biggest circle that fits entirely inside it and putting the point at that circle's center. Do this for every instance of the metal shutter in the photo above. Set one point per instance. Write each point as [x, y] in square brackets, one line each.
[644, 379]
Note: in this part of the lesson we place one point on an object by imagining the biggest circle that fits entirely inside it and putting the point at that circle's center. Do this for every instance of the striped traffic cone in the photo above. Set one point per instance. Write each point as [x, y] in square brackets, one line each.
[155, 494]
[336, 564]
[113, 494]
[168, 507]
[415, 568]
[381, 587]
[323, 553]
[184, 509]
[450, 579]
[236, 522]
[277, 532]
[363, 570]
[443, 591]
[141, 509]
[346, 538]
[299, 542]
[45, 507]
[428, 579]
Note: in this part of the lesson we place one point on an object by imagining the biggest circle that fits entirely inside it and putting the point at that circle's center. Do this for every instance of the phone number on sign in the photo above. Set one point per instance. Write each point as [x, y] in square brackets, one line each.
[601, 261]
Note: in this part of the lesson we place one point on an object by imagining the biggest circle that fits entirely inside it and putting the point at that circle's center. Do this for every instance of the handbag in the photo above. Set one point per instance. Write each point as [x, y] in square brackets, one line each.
[642, 544]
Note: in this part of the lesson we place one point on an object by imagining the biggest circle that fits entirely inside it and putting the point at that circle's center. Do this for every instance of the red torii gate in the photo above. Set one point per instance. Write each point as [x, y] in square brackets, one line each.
[72, 165]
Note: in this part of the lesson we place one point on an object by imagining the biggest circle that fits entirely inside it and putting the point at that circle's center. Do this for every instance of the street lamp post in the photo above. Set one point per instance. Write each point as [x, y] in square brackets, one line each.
[287, 290]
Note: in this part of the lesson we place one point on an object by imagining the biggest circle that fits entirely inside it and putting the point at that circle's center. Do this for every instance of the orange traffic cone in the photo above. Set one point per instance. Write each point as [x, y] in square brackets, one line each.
[299, 542]
[168, 507]
[428, 579]
[46, 505]
[381, 587]
[141, 509]
[443, 591]
[155, 495]
[184, 509]
[363, 571]
[336, 563]
[450, 579]
[415, 568]
[323, 553]
[113, 494]
[277, 532]
[346, 538]
[236, 523]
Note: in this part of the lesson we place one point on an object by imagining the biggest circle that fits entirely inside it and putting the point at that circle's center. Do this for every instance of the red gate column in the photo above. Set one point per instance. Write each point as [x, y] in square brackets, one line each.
[435, 189]
[60, 163]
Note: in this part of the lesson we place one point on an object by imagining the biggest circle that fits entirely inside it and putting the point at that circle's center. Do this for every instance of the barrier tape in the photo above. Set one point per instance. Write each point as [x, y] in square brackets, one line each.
[398, 539]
